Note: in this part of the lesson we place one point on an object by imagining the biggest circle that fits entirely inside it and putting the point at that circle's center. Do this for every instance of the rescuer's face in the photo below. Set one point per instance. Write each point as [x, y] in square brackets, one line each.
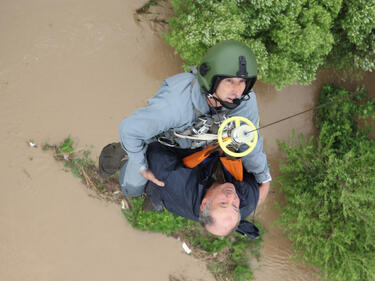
[230, 89]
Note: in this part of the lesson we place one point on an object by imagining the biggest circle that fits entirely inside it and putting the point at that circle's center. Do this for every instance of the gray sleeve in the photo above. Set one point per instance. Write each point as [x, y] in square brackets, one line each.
[144, 124]
[256, 161]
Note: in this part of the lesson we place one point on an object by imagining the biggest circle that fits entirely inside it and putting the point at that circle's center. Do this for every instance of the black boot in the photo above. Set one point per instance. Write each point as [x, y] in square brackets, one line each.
[147, 205]
[153, 200]
[111, 159]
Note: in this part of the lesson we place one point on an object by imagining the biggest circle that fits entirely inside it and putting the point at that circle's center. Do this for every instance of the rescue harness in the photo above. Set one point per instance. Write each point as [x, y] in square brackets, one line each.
[222, 133]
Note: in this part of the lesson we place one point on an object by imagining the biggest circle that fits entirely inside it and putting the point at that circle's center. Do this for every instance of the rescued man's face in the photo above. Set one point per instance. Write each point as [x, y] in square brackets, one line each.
[230, 89]
[224, 207]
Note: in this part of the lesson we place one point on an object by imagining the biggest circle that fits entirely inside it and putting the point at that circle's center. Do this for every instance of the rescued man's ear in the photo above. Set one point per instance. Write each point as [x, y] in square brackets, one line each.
[203, 203]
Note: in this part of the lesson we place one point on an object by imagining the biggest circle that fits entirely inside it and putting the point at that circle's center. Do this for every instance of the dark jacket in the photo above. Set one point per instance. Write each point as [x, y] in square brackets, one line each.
[184, 187]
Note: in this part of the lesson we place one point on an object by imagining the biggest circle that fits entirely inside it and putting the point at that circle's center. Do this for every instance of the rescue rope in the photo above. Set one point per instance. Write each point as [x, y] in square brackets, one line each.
[310, 109]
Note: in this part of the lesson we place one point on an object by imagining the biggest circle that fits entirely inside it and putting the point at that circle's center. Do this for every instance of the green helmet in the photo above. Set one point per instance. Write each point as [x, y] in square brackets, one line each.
[228, 58]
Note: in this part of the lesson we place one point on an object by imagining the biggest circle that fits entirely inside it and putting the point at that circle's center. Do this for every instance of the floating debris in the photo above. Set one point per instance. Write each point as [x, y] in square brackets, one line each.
[66, 156]
[186, 248]
[125, 205]
[32, 143]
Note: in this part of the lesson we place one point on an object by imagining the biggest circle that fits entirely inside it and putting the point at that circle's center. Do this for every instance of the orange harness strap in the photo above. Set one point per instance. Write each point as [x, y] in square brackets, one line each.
[234, 167]
[196, 158]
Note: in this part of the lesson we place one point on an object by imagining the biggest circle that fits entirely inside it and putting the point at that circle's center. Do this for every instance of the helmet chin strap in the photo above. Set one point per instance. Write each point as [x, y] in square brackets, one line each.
[228, 105]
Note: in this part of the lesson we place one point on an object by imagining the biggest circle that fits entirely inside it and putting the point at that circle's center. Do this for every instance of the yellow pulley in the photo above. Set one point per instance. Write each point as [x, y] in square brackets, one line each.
[242, 132]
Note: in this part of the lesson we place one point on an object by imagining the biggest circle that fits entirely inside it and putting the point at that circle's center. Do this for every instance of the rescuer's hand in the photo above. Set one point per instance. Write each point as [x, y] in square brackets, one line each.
[263, 191]
[149, 175]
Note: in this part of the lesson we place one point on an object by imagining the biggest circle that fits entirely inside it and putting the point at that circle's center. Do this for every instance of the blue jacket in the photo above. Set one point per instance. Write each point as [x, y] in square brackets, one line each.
[173, 108]
[184, 187]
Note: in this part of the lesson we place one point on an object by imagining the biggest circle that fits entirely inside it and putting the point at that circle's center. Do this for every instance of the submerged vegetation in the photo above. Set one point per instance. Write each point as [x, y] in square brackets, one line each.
[80, 164]
[291, 39]
[146, 7]
[329, 186]
[227, 258]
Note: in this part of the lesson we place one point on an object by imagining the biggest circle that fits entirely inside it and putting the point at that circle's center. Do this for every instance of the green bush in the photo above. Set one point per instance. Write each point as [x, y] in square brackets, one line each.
[329, 186]
[353, 30]
[290, 38]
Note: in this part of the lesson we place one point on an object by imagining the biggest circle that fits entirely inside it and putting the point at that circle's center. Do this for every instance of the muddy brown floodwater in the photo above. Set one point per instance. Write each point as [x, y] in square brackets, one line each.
[78, 68]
